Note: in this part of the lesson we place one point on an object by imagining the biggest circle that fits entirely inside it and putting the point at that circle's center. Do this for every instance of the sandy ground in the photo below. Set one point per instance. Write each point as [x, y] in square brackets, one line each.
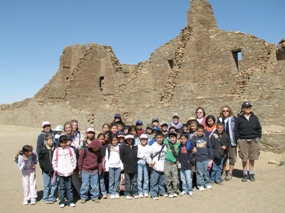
[266, 194]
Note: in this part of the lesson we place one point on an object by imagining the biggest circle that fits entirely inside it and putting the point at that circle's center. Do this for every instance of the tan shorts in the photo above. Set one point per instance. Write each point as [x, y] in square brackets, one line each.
[231, 155]
[248, 150]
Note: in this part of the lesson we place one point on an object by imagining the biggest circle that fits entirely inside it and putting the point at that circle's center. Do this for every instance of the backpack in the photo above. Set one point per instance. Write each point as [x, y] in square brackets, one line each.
[56, 153]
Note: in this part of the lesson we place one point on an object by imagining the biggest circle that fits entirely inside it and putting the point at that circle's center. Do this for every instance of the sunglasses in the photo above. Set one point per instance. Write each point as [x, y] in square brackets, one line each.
[46, 126]
[225, 110]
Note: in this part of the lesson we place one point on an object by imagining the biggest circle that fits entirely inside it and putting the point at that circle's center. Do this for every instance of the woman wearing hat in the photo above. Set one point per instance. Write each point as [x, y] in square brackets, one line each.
[46, 129]
[248, 133]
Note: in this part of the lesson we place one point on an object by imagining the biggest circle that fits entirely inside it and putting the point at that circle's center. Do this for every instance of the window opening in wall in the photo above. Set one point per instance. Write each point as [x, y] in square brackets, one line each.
[170, 62]
[237, 55]
[101, 82]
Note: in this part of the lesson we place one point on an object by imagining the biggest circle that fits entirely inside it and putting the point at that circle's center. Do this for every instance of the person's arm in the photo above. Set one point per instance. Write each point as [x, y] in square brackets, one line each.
[39, 143]
[54, 160]
[237, 129]
[258, 128]
[210, 150]
[22, 161]
[80, 160]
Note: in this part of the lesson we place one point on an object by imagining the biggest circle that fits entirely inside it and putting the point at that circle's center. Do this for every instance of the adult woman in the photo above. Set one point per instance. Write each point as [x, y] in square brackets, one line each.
[227, 117]
[248, 133]
[117, 119]
[46, 129]
[77, 138]
[200, 115]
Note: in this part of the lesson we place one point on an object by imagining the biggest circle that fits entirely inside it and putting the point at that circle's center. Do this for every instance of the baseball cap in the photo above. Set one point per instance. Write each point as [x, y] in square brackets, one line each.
[129, 136]
[90, 130]
[149, 126]
[121, 134]
[58, 128]
[192, 119]
[139, 122]
[143, 136]
[117, 115]
[172, 133]
[175, 115]
[155, 119]
[45, 123]
[163, 123]
[246, 105]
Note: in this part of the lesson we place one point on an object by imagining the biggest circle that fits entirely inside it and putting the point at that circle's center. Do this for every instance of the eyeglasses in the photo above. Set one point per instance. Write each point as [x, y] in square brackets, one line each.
[46, 126]
[225, 110]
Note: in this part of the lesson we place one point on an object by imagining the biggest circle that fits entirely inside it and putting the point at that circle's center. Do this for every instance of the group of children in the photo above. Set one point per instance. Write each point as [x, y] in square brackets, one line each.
[141, 163]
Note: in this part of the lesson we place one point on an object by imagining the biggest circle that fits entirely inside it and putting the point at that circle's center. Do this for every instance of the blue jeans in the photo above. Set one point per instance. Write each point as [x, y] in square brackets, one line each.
[114, 175]
[217, 169]
[157, 183]
[89, 180]
[186, 178]
[49, 188]
[131, 184]
[202, 173]
[143, 178]
[102, 184]
[65, 189]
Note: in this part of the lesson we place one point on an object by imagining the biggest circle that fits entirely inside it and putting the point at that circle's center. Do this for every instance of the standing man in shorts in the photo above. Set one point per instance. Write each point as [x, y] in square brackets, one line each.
[248, 133]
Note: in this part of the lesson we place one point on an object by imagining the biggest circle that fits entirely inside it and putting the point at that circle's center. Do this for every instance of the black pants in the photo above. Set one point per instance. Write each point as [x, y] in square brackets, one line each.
[131, 184]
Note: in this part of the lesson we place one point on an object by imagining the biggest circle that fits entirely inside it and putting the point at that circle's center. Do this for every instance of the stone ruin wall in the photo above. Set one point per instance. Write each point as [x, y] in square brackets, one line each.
[197, 68]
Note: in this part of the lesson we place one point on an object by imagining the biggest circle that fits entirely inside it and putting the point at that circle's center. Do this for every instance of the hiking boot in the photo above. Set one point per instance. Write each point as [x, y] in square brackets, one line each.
[220, 182]
[244, 178]
[251, 177]
[83, 201]
[96, 201]
[224, 176]
[229, 177]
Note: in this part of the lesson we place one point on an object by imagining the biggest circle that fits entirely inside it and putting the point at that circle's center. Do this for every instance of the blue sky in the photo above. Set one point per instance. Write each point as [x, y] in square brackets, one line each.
[34, 32]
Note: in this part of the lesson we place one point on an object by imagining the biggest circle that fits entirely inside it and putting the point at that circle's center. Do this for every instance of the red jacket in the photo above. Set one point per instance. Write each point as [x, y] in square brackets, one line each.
[89, 160]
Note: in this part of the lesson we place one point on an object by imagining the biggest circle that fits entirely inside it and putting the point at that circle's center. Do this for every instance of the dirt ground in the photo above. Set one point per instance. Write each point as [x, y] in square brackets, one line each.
[266, 194]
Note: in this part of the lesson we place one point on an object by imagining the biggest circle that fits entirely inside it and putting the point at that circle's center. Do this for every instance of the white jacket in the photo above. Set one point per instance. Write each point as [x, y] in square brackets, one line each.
[158, 160]
[113, 159]
[142, 153]
[64, 161]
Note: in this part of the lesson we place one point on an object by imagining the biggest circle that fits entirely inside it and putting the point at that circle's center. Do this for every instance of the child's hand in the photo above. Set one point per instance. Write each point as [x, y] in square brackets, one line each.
[151, 164]
[25, 158]
[194, 150]
[177, 162]
[224, 147]
[34, 166]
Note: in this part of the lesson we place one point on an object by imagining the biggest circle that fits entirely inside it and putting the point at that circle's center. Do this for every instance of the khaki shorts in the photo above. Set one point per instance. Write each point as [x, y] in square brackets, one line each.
[231, 155]
[248, 150]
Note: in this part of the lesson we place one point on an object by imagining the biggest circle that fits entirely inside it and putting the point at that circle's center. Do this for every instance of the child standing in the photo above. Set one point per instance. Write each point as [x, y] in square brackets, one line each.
[139, 125]
[113, 166]
[220, 142]
[128, 155]
[204, 156]
[58, 129]
[90, 167]
[155, 157]
[142, 166]
[210, 126]
[103, 177]
[64, 163]
[170, 165]
[184, 162]
[27, 162]
[45, 160]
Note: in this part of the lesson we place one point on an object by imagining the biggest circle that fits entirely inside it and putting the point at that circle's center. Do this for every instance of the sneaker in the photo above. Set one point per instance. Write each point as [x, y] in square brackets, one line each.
[104, 197]
[165, 195]
[47, 202]
[183, 193]
[220, 182]
[71, 205]
[83, 201]
[155, 198]
[117, 196]
[128, 197]
[190, 194]
[96, 201]
[175, 195]
[245, 178]
[140, 195]
[229, 177]
[251, 177]
[171, 195]
[201, 188]
[33, 201]
[209, 186]
[25, 202]
[224, 176]
[212, 183]
[61, 205]
[145, 195]
[112, 196]
[136, 196]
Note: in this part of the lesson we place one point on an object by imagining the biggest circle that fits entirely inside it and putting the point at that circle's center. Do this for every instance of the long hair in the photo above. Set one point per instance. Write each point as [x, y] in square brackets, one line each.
[231, 113]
